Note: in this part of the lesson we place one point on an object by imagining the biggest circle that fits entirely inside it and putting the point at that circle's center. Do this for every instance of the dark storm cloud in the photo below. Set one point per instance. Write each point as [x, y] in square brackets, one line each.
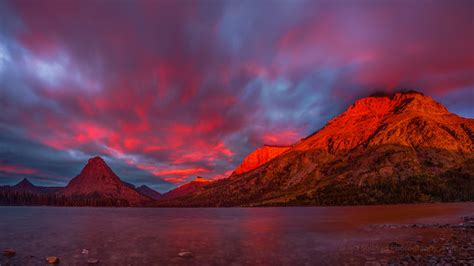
[167, 90]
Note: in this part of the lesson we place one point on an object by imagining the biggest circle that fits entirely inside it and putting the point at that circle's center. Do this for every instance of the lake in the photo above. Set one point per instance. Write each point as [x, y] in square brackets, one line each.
[214, 236]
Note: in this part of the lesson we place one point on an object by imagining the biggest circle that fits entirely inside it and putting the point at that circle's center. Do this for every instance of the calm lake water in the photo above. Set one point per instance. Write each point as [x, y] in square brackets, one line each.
[226, 236]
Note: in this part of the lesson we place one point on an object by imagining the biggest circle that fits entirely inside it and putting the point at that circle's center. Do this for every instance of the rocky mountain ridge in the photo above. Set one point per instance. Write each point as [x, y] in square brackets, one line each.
[259, 157]
[378, 141]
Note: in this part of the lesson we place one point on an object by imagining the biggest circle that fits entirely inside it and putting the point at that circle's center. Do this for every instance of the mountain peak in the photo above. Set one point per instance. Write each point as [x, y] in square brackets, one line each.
[406, 118]
[97, 178]
[24, 183]
[259, 157]
[200, 179]
[97, 166]
[382, 94]
[96, 160]
[400, 101]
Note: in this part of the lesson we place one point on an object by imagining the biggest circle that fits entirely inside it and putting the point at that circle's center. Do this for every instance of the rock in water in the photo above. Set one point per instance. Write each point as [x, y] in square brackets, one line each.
[185, 254]
[92, 261]
[9, 252]
[52, 260]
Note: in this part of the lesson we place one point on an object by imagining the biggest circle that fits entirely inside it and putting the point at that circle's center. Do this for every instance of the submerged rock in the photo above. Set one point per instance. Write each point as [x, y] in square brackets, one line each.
[52, 260]
[92, 261]
[185, 254]
[9, 252]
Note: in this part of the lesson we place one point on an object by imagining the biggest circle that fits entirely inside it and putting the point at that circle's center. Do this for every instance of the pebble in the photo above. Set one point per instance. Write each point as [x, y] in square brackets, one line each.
[52, 260]
[185, 254]
[85, 251]
[92, 261]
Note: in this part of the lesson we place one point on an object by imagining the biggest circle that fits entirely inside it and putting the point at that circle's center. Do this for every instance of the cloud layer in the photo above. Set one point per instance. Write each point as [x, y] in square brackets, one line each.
[167, 90]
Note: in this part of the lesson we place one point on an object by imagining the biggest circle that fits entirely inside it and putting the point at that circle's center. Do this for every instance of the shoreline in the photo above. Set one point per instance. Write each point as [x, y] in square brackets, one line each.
[250, 207]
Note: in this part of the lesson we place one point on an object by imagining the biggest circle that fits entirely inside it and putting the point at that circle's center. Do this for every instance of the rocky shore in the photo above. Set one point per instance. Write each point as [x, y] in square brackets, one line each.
[427, 244]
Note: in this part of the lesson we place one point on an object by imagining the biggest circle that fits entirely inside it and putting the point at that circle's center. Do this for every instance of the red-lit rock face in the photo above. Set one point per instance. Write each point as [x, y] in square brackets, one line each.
[260, 156]
[409, 119]
[376, 139]
[96, 178]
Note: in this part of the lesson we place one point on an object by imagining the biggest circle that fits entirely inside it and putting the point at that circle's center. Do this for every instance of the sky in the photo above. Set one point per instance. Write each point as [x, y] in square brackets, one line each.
[169, 90]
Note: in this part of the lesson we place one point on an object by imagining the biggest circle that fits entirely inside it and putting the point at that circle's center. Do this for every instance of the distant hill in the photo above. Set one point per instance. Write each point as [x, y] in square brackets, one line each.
[25, 186]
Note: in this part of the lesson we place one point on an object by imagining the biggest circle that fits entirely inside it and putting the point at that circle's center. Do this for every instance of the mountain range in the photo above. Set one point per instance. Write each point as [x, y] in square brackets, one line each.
[397, 148]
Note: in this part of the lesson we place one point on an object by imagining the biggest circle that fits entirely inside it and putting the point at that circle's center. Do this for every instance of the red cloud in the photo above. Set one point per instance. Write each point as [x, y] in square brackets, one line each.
[193, 103]
[17, 169]
[286, 137]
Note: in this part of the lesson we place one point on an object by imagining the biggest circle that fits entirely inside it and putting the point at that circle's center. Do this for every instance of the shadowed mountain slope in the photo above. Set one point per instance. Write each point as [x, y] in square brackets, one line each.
[149, 192]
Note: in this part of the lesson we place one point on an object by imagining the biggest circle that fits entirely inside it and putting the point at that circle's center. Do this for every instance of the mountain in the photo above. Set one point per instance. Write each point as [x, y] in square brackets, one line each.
[259, 157]
[409, 119]
[26, 186]
[98, 182]
[147, 191]
[192, 187]
[404, 147]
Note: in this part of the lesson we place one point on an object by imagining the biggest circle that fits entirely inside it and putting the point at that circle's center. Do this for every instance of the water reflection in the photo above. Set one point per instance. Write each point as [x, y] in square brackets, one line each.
[234, 236]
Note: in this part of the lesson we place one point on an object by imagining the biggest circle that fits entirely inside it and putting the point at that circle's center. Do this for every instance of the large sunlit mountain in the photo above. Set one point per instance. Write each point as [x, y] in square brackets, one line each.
[404, 147]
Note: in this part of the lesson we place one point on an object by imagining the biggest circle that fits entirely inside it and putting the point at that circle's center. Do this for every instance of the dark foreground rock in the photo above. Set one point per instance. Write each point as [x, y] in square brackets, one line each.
[92, 261]
[427, 244]
[185, 254]
[9, 252]
[52, 260]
